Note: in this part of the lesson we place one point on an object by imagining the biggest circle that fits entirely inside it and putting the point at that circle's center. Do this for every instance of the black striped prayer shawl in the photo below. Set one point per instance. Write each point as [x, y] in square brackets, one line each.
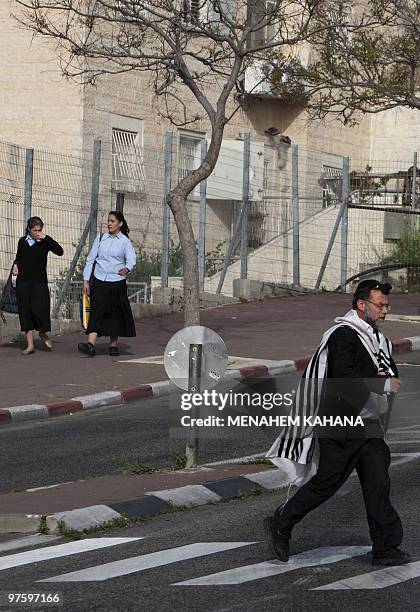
[297, 443]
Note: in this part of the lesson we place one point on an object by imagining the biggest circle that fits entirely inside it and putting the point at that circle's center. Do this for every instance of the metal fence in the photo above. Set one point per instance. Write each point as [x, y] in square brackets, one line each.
[270, 211]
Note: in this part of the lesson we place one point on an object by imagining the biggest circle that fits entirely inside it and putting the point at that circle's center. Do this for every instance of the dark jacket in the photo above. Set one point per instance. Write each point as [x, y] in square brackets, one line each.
[32, 260]
[351, 377]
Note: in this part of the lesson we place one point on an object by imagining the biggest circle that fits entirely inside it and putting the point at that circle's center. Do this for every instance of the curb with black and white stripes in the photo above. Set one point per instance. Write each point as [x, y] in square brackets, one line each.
[160, 502]
[30, 412]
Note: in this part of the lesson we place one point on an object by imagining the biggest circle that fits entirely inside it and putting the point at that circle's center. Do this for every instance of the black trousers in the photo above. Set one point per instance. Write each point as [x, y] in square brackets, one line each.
[371, 459]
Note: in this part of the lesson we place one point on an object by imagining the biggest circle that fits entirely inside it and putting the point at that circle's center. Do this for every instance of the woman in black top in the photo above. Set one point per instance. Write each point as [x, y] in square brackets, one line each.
[33, 296]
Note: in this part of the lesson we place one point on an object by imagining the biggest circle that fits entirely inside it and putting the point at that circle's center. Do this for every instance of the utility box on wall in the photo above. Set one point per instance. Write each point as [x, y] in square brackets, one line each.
[226, 180]
[394, 224]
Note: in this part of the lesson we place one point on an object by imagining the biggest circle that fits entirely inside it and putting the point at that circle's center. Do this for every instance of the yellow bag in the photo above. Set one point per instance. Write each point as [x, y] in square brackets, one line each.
[84, 310]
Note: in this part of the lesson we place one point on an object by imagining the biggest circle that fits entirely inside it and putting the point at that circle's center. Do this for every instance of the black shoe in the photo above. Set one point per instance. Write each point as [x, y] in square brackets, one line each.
[87, 348]
[393, 556]
[278, 541]
[113, 351]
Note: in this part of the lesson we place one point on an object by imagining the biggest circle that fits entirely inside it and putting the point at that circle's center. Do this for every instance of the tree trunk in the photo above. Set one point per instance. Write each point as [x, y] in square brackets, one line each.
[189, 249]
[177, 201]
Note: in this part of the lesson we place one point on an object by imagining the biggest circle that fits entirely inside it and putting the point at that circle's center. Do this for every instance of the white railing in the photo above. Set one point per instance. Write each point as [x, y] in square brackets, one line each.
[137, 294]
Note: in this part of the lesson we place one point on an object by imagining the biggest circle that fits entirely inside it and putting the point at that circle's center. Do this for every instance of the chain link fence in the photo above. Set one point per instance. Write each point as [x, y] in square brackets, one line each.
[270, 211]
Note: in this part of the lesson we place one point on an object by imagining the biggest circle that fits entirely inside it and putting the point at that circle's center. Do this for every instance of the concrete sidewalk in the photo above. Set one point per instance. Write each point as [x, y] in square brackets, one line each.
[285, 328]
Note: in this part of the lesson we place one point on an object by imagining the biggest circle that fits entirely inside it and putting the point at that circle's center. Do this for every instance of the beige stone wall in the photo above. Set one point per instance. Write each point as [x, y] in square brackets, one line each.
[37, 106]
[395, 135]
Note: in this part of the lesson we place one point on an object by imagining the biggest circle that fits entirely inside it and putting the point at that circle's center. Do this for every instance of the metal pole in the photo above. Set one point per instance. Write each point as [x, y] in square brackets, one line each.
[330, 246]
[345, 219]
[94, 195]
[194, 386]
[119, 203]
[202, 223]
[70, 271]
[231, 249]
[245, 198]
[29, 176]
[166, 210]
[295, 214]
[414, 183]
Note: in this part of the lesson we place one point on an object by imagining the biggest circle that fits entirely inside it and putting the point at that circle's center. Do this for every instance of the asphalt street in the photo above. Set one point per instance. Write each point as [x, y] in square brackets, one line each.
[110, 440]
[215, 559]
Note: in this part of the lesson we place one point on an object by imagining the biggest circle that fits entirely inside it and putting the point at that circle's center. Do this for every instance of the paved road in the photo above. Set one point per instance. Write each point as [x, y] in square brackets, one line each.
[215, 559]
[107, 440]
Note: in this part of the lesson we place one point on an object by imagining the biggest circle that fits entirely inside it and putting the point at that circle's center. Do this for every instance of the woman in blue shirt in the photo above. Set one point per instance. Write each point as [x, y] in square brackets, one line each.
[111, 258]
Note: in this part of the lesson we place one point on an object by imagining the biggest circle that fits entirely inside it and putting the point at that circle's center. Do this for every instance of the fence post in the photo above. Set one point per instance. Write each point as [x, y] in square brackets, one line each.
[194, 386]
[295, 214]
[414, 183]
[72, 268]
[166, 209]
[119, 203]
[29, 175]
[202, 223]
[345, 219]
[245, 198]
[94, 193]
[329, 246]
[231, 249]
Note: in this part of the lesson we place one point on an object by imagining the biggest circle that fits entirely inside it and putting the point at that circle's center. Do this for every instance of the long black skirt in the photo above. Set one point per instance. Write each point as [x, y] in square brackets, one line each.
[33, 300]
[110, 309]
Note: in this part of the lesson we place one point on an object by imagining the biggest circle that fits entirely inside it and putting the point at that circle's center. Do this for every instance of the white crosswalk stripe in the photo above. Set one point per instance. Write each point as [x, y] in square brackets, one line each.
[376, 580]
[60, 550]
[144, 562]
[248, 573]
[317, 557]
[26, 542]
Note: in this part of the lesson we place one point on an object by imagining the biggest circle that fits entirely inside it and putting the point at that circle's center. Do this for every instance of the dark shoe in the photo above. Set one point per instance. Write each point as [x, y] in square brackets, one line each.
[28, 352]
[87, 348]
[278, 541]
[47, 343]
[393, 556]
[113, 351]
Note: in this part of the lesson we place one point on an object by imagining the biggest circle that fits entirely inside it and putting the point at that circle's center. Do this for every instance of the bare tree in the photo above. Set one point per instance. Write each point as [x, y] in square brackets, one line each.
[195, 47]
[366, 59]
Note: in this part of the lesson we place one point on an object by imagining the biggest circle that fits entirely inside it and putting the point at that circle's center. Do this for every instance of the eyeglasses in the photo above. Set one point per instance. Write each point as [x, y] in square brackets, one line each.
[386, 307]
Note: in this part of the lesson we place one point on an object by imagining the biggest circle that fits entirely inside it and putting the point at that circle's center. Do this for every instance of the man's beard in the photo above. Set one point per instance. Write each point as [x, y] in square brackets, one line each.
[375, 323]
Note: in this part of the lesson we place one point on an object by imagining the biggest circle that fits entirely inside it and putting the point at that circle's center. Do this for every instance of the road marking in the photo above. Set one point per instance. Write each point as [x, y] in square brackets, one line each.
[409, 441]
[402, 429]
[376, 580]
[310, 558]
[144, 562]
[32, 540]
[405, 432]
[53, 486]
[60, 550]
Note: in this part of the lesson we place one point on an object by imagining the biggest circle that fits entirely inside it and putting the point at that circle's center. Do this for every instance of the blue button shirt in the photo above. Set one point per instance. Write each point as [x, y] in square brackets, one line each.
[111, 254]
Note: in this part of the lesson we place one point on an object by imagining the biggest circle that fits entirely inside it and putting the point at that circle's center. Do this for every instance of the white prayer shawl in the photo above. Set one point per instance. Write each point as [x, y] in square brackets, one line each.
[296, 450]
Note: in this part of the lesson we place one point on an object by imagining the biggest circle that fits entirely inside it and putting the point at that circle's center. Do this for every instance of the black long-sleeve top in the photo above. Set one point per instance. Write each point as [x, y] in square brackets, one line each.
[32, 260]
[351, 377]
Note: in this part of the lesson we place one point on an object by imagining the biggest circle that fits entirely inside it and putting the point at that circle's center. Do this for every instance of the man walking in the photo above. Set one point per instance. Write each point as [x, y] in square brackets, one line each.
[352, 373]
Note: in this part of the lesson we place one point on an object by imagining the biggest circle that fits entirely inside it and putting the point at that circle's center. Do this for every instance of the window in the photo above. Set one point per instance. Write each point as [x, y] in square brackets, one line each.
[271, 29]
[127, 161]
[189, 156]
[191, 10]
[340, 19]
[332, 181]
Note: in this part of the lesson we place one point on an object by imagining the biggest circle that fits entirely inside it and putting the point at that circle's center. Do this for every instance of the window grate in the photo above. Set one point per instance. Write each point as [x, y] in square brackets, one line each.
[127, 161]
